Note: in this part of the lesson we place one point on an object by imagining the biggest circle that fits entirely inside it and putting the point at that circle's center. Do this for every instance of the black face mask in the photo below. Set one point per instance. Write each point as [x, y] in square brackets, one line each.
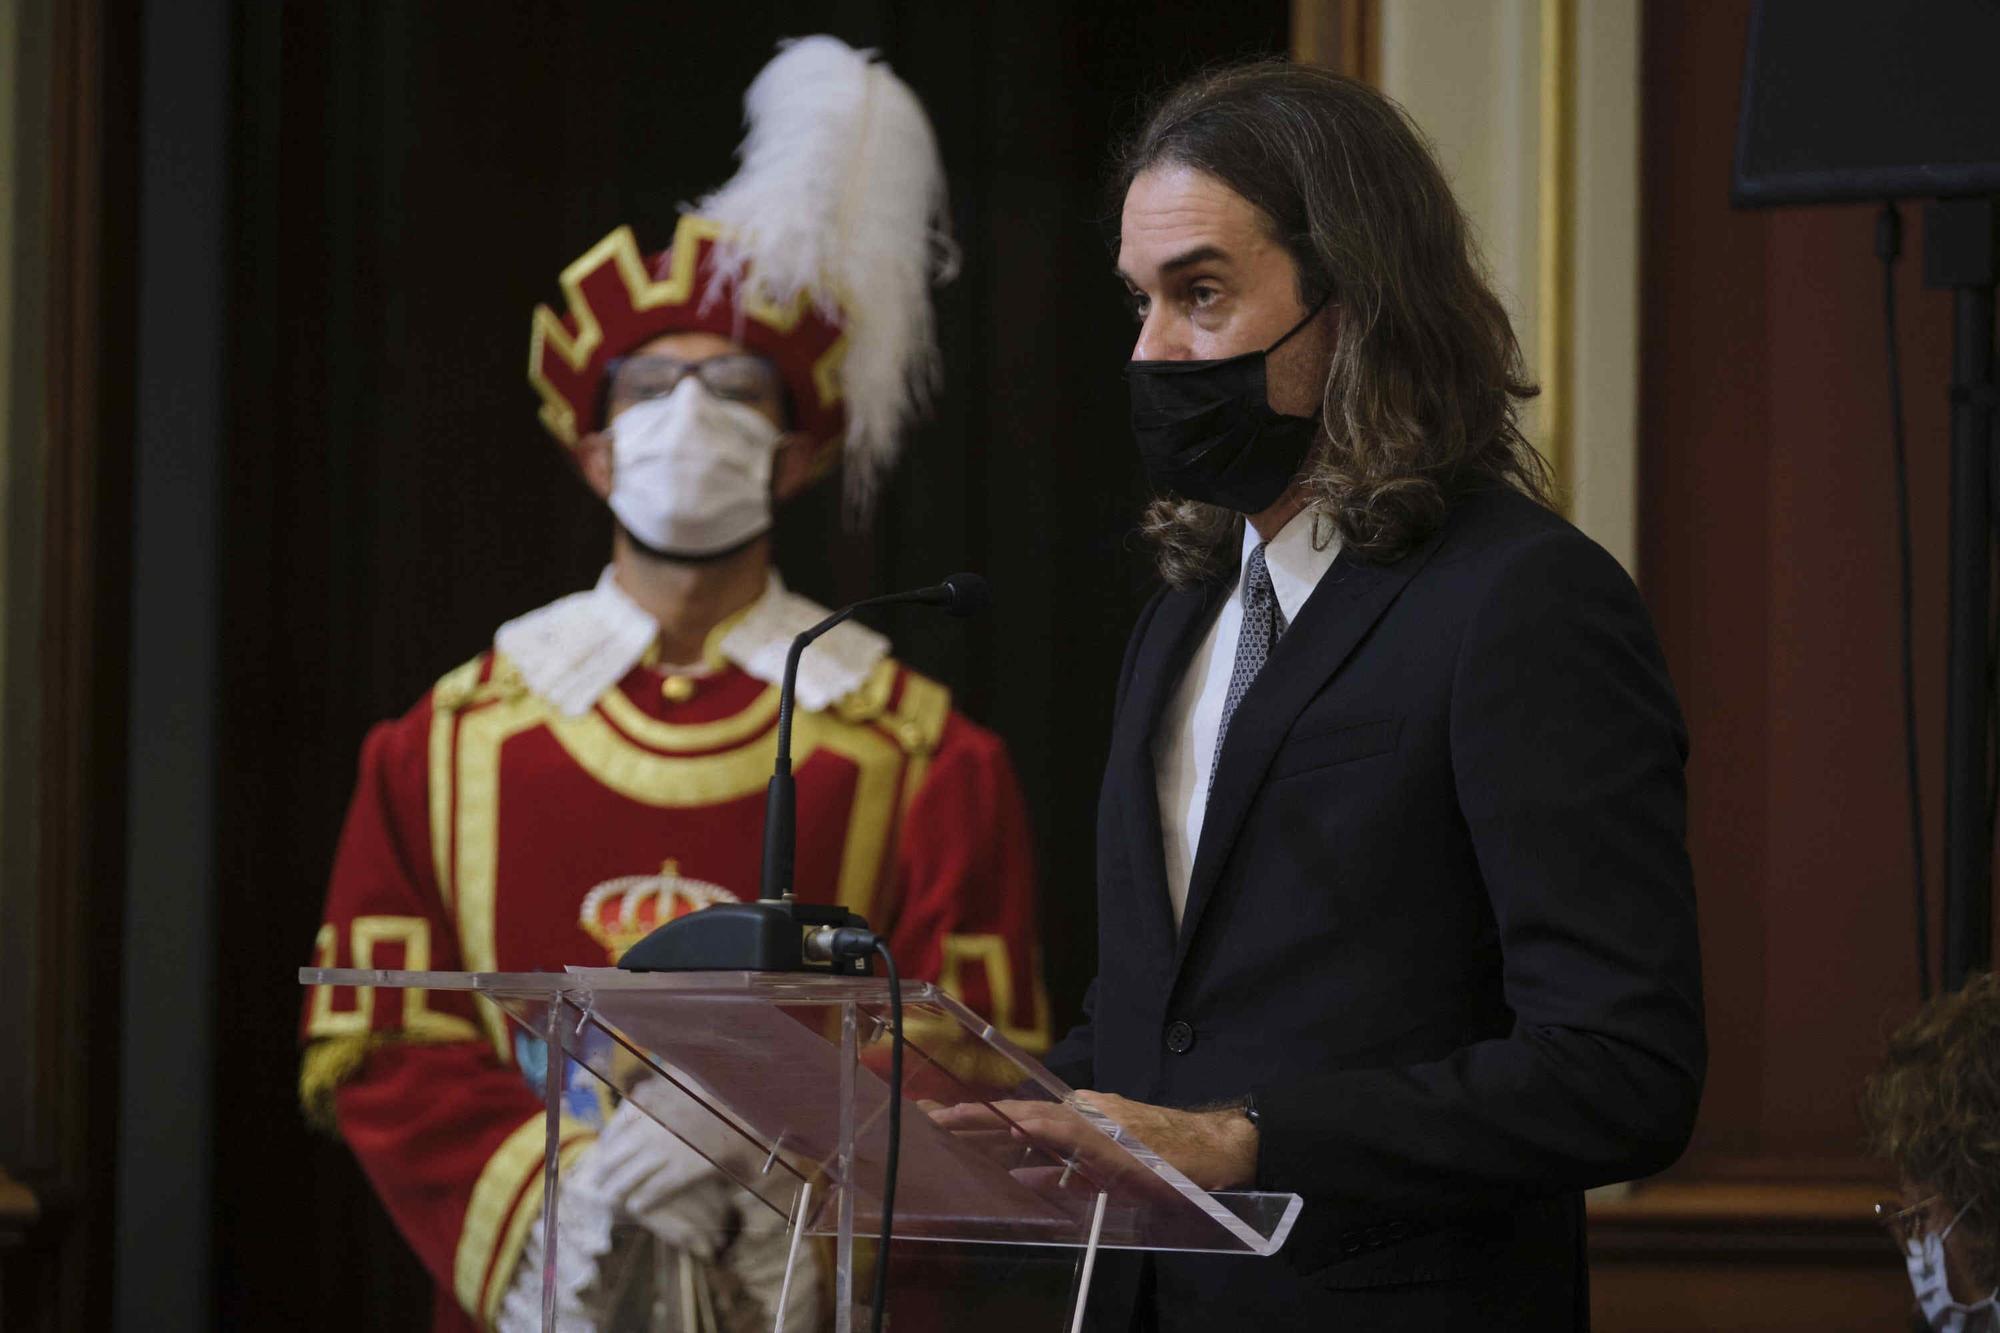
[1206, 429]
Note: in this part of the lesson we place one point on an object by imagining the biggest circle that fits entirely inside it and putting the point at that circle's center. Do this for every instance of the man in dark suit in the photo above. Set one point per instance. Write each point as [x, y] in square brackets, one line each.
[1395, 906]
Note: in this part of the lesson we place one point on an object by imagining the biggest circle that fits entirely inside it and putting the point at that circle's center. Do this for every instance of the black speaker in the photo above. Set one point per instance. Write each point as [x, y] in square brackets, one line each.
[1868, 100]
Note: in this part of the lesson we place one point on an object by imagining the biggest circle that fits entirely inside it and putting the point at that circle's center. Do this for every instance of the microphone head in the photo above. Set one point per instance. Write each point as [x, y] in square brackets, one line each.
[969, 594]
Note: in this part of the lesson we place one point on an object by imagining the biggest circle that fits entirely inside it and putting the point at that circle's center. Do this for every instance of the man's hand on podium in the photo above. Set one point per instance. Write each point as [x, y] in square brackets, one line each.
[1215, 1149]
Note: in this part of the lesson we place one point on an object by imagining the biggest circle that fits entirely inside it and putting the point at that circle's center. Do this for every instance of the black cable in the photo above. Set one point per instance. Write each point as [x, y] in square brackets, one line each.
[1992, 690]
[1992, 652]
[1888, 247]
[895, 1134]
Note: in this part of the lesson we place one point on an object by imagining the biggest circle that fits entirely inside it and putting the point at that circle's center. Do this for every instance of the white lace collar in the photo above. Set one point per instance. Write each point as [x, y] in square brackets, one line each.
[577, 647]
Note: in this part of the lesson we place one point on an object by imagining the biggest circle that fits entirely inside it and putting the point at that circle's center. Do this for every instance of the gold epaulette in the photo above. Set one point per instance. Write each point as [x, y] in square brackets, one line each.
[461, 687]
[918, 715]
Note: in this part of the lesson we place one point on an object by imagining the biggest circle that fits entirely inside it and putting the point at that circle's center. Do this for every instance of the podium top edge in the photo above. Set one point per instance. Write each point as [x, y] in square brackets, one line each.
[799, 987]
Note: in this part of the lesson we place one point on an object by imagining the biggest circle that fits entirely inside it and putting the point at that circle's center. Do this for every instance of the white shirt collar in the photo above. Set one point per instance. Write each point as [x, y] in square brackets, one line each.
[577, 647]
[1295, 562]
[838, 663]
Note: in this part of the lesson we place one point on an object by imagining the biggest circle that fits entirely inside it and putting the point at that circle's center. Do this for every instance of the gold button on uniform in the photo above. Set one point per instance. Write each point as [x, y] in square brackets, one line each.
[677, 689]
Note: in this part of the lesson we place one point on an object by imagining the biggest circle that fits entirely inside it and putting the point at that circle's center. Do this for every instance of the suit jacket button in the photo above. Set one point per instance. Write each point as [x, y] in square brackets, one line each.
[1180, 1037]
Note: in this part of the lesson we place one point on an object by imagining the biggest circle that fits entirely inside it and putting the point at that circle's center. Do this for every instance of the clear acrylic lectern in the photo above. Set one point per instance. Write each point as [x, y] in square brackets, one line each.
[780, 1081]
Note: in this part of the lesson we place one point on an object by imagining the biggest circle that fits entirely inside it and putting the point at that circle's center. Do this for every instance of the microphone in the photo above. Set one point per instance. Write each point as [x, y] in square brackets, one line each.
[766, 935]
[966, 594]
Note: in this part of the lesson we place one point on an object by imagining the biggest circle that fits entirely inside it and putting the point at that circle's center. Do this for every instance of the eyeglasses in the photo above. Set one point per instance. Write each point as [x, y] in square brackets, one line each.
[1905, 1224]
[738, 377]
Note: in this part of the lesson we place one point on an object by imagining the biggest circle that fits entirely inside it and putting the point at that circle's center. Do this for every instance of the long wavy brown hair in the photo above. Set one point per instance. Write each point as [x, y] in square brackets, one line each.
[1933, 1109]
[1422, 397]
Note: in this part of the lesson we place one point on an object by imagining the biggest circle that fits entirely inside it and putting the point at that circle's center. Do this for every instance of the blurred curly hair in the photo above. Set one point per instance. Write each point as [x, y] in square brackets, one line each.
[1422, 399]
[1933, 1109]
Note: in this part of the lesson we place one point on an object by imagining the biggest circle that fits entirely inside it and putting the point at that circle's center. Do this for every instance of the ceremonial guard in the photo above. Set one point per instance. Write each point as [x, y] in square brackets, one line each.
[601, 769]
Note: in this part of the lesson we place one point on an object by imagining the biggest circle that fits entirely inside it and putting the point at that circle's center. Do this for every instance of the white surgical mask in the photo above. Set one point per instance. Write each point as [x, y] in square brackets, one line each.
[1924, 1257]
[691, 472]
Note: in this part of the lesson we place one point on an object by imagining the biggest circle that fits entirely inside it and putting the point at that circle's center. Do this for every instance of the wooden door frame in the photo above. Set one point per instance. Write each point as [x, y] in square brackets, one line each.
[58, 1276]
[1343, 35]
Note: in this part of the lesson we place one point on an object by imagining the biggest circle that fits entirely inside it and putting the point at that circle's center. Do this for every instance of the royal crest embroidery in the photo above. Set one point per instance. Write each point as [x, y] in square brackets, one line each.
[620, 912]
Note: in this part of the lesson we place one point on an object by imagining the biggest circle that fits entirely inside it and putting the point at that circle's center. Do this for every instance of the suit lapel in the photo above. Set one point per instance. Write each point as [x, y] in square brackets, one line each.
[1161, 661]
[1350, 598]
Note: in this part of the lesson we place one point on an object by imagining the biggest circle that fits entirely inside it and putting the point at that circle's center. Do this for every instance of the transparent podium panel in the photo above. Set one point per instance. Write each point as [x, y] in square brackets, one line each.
[780, 1081]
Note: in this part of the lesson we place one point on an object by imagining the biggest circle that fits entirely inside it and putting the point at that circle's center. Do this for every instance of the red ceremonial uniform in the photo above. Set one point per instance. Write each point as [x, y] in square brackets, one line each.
[483, 819]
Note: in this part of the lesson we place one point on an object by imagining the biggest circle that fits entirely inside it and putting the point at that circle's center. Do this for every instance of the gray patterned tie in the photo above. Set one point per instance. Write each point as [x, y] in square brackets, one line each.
[1263, 622]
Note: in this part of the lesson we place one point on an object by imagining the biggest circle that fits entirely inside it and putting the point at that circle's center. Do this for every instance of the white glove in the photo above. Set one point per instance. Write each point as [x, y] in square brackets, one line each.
[662, 1184]
[638, 1174]
[757, 1262]
[676, 1195]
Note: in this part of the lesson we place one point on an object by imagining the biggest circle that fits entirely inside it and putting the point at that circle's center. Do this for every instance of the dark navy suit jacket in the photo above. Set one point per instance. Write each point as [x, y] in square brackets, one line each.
[1441, 923]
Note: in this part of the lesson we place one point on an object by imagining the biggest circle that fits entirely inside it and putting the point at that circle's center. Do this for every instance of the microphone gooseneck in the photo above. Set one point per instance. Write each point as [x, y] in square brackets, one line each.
[962, 594]
[781, 796]
[775, 933]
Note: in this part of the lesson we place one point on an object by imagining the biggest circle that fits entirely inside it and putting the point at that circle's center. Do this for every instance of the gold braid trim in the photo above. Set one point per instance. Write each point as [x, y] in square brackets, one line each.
[870, 699]
[455, 687]
[506, 1200]
[461, 687]
[527, 1214]
[920, 717]
[328, 1063]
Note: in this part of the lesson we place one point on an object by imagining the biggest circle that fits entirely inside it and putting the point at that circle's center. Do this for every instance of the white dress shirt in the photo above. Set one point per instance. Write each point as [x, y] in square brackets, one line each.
[1184, 745]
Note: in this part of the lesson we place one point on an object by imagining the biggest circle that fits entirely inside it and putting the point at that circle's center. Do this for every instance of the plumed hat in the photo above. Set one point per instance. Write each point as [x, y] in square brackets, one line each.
[818, 255]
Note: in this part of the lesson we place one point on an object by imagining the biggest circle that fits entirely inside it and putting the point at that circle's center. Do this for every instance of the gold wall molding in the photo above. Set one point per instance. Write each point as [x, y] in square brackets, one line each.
[1555, 247]
[1533, 109]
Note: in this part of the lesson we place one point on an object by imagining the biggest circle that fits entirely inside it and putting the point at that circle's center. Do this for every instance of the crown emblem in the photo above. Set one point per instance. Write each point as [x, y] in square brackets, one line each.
[620, 912]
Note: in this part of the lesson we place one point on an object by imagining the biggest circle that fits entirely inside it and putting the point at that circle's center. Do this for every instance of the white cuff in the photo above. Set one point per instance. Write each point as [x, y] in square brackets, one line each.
[583, 1238]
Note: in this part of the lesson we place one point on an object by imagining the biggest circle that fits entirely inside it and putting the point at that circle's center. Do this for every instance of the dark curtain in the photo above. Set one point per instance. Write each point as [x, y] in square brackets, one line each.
[408, 182]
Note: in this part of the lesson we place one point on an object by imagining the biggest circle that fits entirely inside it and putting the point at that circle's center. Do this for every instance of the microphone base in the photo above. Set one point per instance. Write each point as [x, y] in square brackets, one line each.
[764, 935]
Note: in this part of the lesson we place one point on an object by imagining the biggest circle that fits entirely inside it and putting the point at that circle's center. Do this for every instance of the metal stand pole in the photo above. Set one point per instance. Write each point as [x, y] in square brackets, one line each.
[552, 1089]
[1959, 253]
[843, 1261]
[800, 1206]
[1089, 1265]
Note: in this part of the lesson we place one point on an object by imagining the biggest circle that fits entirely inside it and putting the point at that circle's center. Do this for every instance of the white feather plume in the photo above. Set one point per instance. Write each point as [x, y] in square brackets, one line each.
[841, 195]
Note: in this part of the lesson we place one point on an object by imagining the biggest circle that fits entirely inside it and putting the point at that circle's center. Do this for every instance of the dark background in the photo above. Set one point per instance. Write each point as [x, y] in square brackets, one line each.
[406, 183]
[286, 470]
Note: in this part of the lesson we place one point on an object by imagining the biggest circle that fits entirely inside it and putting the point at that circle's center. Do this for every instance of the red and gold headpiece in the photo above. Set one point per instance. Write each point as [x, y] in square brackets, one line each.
[618, 300]
[818, 255]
